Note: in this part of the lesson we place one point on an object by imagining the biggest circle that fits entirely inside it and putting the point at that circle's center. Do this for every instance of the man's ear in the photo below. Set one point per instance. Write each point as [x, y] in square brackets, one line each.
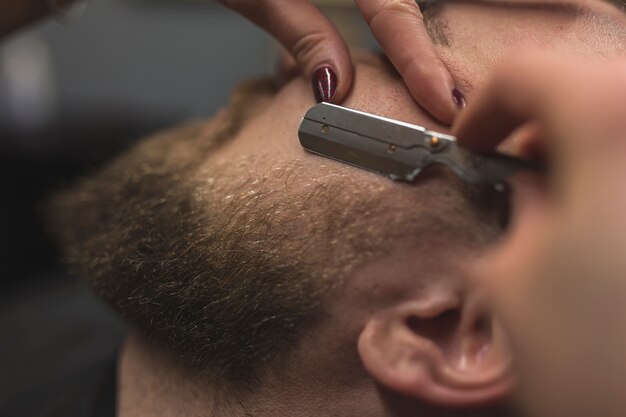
[438, 350]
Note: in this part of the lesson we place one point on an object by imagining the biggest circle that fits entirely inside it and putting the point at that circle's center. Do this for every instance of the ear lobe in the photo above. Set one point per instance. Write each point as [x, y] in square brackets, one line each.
[446, 355]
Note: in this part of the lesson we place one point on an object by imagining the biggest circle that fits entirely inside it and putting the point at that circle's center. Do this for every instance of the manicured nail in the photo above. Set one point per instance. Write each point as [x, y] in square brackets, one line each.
[324, 83]
[458, 98]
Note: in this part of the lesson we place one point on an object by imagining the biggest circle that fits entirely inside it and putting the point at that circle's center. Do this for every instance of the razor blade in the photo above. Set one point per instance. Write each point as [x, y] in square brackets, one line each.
[396, 149]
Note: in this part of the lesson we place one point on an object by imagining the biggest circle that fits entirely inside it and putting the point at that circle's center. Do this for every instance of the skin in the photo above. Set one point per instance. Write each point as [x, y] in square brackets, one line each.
[407, 329]
[558, 277]
[302, 385]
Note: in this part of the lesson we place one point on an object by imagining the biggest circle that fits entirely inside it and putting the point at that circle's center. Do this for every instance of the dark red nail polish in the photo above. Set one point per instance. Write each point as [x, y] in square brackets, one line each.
[324, 83]
[458, 98]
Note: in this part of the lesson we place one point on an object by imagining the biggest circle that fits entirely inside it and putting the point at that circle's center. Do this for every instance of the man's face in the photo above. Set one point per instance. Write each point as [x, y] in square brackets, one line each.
[258, 239]
[431, 228]
[426, 233]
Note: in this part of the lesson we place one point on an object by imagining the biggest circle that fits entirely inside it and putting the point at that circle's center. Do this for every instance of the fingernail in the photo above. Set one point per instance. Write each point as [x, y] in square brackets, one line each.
[324, 83]
[458, 98]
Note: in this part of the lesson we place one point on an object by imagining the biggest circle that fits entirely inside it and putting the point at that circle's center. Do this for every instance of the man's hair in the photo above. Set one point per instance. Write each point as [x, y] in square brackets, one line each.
[435, 26]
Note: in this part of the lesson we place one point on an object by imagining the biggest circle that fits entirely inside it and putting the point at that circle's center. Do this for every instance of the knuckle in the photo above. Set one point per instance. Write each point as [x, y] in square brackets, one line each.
[524, 62]
[523, 68]
[390, 8]
[408, 6]
[308, 46]
[618, 77]
[602, 100]
[412, 67]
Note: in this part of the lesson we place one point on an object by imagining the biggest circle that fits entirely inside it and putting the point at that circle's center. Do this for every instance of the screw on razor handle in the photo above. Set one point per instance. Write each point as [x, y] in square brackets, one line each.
[396, 149]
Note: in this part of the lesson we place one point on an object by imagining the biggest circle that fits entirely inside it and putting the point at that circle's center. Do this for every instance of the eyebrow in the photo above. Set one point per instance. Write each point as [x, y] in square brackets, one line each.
[568, 8]
[621, 4]
[573, 10]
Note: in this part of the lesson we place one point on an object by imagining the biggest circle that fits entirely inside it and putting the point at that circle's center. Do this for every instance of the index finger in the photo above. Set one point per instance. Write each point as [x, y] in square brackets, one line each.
[398, 25]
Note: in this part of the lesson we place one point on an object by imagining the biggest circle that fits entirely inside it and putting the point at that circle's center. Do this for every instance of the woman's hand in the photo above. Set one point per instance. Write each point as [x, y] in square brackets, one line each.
[321, 53]
[558, 279]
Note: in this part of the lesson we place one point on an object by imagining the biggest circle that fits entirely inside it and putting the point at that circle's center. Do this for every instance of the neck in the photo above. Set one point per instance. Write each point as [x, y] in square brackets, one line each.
[152, 383]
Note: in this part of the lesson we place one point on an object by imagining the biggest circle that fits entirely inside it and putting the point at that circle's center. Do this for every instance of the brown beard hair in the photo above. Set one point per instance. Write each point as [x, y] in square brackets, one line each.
[135, 234]
[228, 266]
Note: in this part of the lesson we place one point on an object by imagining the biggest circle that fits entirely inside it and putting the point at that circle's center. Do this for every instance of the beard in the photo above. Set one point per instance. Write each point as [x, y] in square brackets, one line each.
[228, 265]
[153, 243]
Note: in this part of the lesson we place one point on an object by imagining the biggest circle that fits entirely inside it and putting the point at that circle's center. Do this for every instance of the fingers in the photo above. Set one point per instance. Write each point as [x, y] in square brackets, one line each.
[311, 39]
[575, 104]
[568, 99]
[557, 265]
[509, 100]
[398, 25]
